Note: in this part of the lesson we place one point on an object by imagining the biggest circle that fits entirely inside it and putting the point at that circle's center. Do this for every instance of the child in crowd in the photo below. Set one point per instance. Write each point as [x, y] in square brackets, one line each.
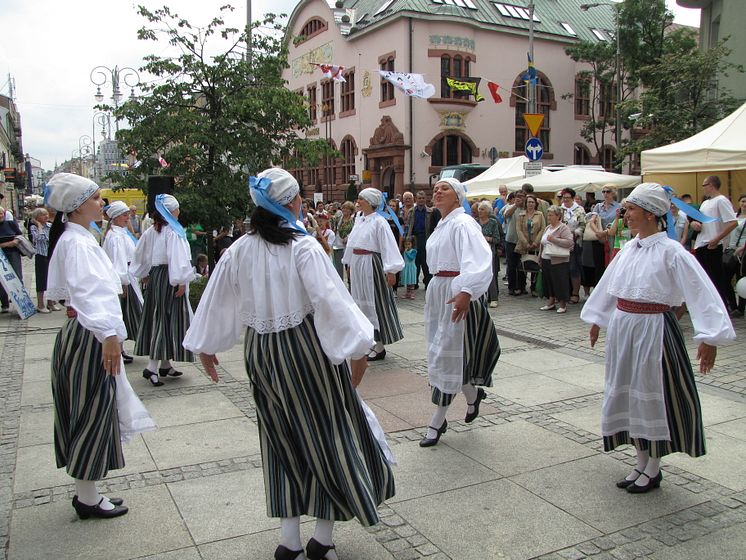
[324, 233]
[201, 266]
[409, 274]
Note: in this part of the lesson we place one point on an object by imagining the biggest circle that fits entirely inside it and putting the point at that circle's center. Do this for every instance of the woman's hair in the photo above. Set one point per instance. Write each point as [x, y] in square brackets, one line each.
[201, 258]
[554, 209]
[267, 226]
[58, 228]
[349, 205]
[158, 221]
[484, 205]
[532, 197]
[38, 212]
[569, 191]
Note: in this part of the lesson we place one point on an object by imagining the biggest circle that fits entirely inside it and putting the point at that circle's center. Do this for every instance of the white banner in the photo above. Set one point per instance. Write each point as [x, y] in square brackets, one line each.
[17, 293]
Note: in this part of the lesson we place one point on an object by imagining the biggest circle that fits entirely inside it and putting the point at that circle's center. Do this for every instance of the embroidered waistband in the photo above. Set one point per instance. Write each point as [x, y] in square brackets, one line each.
[362, 252]
[448, 273]
[641, 307]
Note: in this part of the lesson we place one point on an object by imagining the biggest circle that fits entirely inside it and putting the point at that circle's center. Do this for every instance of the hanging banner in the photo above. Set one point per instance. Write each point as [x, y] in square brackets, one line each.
[15, 289]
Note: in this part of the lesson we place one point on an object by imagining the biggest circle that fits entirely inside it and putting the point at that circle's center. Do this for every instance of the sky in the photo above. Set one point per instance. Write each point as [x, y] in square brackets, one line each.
[50, 47]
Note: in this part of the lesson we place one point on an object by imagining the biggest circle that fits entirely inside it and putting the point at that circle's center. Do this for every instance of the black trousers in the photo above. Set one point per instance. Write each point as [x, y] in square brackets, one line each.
[420, 260]
[516, 276]
[712, 261]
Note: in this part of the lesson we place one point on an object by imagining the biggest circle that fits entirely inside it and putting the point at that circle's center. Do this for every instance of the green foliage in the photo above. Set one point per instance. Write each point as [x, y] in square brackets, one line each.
[213, 113]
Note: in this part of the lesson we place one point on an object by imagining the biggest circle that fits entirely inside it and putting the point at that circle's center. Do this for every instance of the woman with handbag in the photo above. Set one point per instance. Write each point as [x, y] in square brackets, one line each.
[494, 237]
[556, 243]
[590, 274]
[530, 227]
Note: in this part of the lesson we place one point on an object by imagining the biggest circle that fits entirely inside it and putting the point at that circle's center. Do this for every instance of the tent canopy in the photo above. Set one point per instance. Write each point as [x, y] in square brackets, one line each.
[580, 180]
[722, 147]
[504, 171]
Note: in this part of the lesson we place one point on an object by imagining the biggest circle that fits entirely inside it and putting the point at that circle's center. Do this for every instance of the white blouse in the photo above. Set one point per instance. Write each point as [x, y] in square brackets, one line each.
[373, 233]
[167, 248]
[81, 274]
[657, 269]
[121, 250]
[457, 244]
[271, 288]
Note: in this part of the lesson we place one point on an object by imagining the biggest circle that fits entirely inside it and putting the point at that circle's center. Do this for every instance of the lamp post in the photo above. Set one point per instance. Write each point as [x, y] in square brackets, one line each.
[618, 64]
[102, 119]
[103, 75]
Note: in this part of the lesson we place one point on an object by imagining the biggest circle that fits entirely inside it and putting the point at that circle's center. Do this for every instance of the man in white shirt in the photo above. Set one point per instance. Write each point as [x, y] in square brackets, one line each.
[708, 247]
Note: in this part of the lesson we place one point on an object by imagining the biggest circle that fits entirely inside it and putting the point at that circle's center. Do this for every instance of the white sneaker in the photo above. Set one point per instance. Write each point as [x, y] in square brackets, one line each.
[562, 310]
[493, 304]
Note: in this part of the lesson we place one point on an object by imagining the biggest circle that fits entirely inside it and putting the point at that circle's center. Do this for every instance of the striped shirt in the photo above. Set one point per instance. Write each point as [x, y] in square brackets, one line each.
[40, 237]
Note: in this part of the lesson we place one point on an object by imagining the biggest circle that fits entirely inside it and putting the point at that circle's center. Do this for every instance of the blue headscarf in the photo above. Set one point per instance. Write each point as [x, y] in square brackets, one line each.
[272, 190]
[385, 210]
[161, 202]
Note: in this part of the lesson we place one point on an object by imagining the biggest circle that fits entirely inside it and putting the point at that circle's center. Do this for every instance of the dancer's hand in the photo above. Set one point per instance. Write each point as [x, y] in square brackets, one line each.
[391, 279]
[209, 361]
[706, 355]
[180, 291]
[595, 329]
[112, 355]
[460, 306]
[358, 370]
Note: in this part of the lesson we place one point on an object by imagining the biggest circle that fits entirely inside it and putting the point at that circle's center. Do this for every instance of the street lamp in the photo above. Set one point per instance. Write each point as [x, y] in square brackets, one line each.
[102, 75]
[618, 63]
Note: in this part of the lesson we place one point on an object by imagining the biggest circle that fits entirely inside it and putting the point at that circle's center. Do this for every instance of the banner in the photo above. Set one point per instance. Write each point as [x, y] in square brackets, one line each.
[14, 287]
[493, 87]
[332, 71]
[470, 85]
[413, 85]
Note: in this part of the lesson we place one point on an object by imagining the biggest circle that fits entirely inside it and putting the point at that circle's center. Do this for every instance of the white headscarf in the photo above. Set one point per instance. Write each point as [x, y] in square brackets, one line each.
[457, 186]
[282, 190]
[170, 202]
[651, 197]
[116, 209]
[373, 196]
[67, 191]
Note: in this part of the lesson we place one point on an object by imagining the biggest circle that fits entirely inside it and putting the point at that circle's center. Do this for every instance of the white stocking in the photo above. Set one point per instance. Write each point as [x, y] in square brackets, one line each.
[88, 494]
[436, 421]
[323, 535]
[653, 467]
[165, 364]
[290, 533]
[642, 461]
[470, 392]
[153, 366]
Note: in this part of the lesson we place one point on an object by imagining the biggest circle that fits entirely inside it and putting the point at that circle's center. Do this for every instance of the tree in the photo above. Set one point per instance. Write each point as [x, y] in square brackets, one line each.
[213, 118]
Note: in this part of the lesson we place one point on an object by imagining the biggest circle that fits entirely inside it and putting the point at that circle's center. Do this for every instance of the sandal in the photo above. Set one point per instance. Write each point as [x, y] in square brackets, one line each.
[574, 299]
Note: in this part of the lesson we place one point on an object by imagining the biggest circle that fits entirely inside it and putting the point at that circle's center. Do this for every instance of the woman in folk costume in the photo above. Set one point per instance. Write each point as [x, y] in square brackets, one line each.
[650, 397]
[276, 284]
[462, 344]
[163, 257]
[95, 408]
[119, 245]
[374, 259]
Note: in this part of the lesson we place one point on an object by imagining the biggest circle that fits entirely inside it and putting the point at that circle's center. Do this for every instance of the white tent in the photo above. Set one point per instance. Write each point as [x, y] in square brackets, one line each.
[504, 171]
[722, 147]
[578, 179]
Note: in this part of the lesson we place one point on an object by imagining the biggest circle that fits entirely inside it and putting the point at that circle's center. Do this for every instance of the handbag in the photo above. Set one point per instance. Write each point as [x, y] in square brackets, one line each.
[552, 250]
[731, 263]
[25, 247]
[530, 263]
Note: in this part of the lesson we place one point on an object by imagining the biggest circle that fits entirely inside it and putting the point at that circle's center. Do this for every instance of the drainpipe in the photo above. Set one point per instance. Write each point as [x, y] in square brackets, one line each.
[411, 108]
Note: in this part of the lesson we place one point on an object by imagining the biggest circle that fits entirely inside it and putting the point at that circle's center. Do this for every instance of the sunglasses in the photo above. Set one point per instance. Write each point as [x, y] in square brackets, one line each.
[606, 192]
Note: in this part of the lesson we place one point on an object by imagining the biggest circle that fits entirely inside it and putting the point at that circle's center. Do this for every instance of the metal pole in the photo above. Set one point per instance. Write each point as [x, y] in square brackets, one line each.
[618, 86]
[249, 57]
[531, 85]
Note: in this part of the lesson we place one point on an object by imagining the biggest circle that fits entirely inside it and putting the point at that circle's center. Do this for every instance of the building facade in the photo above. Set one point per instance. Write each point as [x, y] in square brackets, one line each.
[12, 161]
[397, 143]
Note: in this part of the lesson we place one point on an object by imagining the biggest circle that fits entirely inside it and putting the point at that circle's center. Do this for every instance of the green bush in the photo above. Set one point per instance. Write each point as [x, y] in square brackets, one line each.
[195, 292]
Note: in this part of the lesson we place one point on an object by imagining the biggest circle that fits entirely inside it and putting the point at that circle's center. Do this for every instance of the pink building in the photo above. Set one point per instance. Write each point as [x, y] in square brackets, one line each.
[395, 142]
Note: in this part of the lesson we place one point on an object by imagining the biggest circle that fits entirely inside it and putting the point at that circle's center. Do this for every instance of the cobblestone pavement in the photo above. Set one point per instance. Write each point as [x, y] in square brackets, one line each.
[527, 479]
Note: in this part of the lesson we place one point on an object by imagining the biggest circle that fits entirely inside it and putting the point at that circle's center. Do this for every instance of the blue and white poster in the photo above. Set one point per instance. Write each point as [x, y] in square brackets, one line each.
[16, 290]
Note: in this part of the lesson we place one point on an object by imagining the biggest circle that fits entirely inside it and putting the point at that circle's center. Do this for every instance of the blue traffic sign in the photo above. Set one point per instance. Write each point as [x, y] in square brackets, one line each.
[534, 149]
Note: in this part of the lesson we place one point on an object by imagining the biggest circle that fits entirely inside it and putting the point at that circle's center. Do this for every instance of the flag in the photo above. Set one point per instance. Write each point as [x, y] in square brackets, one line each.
[163, 162]
[493, 87]
[466, 84]
[413, 85]
[530, 75]
[332, 71]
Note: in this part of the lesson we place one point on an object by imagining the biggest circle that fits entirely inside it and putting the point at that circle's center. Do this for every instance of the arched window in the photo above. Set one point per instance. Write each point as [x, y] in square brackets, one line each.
[453, 66]
[348, 150]
[451, 149]
[608, 155]
[326, 168]
[312, 27]
[545, 103]
[581, 155]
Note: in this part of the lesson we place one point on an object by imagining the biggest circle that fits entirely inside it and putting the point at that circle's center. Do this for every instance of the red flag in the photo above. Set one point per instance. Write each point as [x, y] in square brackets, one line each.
[493, 87]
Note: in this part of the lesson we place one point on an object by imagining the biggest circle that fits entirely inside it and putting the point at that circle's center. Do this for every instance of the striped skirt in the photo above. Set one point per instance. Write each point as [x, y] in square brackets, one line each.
[86, 423]
[481, 351]
[131, 312]
[165, 320]
[683, 412]
[319, 456]
[374, 297]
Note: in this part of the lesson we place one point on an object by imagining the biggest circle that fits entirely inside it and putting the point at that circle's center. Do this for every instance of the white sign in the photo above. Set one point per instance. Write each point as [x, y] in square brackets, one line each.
[533, 168]
[318, 197]
[354, 179]
[15, 289]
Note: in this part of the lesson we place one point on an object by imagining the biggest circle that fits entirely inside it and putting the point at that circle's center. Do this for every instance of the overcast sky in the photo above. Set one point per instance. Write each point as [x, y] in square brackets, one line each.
[50, 47]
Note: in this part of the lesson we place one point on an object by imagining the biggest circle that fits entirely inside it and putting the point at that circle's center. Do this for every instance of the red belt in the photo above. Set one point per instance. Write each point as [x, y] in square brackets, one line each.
[362, 252]
[641, 307]
[448, 273]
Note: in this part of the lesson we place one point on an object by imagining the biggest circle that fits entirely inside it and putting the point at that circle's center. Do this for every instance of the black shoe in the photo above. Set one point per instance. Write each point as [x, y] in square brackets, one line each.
[317, 551]
[152, 377]
[471, 416]
[127, 358]
[114, 501]
[284, 553]
[169, 371]
[379, 356]
[654, 482]
[624, 482]
[427, 442]
[85, 511]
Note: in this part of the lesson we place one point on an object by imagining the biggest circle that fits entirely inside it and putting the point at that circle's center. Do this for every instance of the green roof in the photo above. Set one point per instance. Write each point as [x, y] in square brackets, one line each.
[508, 15]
